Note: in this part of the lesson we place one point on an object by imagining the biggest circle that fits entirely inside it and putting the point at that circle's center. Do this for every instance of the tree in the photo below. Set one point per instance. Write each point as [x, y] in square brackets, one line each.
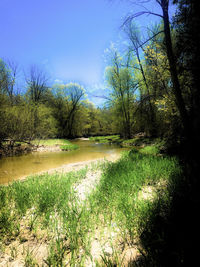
[164, 4]
[75, 93]
[67, 100]
[13, 70]
[136, 47]
[173, 70]
[36, 81]
[123, 86]
[187, 45]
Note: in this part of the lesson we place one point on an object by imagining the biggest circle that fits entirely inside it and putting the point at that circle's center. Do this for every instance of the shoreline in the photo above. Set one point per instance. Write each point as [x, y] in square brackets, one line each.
[16, 150]
[65, 168]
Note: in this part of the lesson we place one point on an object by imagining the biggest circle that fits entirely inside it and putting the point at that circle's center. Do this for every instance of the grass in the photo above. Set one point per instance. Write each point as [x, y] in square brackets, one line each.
[69, 147]
[52, 142]
[106, 139]
[64, 144]
[117, 194]
[151, 150]
[122, 203]
[44, 202]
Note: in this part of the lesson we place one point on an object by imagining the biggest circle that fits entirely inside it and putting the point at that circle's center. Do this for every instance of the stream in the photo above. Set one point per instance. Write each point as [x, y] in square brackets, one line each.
[16, 167]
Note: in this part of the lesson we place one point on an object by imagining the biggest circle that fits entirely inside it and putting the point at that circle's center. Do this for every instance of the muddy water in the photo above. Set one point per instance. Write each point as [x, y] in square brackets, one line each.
[13, 168]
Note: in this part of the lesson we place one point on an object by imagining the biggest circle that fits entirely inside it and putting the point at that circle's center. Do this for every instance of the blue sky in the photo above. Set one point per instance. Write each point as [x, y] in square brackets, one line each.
[67, 38]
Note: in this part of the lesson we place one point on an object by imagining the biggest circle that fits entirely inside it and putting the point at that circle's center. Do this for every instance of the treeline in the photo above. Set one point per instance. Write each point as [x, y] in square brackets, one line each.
[153, 88]
[41, 111]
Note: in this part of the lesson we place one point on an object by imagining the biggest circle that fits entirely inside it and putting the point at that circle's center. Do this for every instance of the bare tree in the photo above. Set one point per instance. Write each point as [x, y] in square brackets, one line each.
[164, 4]
[75, 93]
[3, 76]
[123, 86]
[13, 69]
[37, 83]
[136, 44]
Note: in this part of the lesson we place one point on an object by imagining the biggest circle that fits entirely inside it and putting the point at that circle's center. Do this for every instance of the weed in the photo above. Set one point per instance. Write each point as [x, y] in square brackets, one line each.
[57, 252]
[2, 197]
[6, 221]
[13, 252]
[69, 147]
[29, 260]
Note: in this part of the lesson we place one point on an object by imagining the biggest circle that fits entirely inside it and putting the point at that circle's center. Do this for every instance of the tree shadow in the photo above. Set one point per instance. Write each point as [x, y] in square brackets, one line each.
[172, 232]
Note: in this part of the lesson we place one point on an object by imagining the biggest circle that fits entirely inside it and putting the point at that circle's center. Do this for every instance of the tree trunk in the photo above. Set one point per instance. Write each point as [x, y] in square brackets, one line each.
[173, 71]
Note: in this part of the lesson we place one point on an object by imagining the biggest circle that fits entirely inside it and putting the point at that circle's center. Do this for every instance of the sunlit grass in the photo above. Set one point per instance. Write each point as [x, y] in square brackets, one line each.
[106, 139]
[122, 201]
[51, 142]
[69, 147]
[64, 144]
[45, 202]
[117, 195]
[152, 150]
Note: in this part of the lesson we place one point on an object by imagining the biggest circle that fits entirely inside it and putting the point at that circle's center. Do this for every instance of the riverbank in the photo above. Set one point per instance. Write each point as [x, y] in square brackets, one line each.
[76, 166]
[13, 168]
[48, 145]
[56, 145]
[92, 216]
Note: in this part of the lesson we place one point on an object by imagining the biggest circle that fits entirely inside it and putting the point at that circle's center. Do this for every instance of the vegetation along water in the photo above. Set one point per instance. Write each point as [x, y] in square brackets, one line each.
[16, 167]
[137, 209]
[105, 226]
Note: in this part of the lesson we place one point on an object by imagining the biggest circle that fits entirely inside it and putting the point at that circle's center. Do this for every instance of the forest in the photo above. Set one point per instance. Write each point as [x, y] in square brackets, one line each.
[153, 89]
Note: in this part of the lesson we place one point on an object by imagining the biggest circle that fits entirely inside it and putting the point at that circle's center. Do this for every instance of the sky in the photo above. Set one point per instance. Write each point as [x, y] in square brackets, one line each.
[66, 38]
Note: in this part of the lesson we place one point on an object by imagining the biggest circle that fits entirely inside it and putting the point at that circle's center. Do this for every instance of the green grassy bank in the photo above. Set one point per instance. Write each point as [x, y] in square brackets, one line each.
[64, 144]
[120, 209]
[19, 148]
[106, 139]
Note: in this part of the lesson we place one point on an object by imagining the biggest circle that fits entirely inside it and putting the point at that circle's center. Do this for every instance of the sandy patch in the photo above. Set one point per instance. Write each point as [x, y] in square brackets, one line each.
[76, 166]
[84, 188]
[36, 248]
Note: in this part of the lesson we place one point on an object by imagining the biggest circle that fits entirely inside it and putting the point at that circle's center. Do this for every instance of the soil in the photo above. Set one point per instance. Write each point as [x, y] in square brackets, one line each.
[16, 251]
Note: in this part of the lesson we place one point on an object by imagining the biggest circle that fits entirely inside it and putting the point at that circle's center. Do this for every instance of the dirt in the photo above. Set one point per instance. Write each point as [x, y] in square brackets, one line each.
[75, 166]
[106, 240]
[16, 251]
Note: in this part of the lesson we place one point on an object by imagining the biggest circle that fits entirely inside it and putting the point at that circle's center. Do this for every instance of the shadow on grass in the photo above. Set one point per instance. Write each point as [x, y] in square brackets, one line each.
[171, 234]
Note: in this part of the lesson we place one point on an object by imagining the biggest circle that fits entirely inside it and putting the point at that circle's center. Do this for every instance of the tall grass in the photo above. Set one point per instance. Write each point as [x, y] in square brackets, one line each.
[46, 202]
[120, 198]
[124, 201]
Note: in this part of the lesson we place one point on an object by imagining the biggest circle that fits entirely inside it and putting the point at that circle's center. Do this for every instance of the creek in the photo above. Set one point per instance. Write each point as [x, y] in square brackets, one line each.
[16, 167]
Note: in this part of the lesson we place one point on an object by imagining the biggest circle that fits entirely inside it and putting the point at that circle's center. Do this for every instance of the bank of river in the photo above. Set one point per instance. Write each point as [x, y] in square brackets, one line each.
[17, 167]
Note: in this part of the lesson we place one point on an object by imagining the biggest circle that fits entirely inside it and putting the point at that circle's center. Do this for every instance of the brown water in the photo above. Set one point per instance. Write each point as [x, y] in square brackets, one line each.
[13, 168]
